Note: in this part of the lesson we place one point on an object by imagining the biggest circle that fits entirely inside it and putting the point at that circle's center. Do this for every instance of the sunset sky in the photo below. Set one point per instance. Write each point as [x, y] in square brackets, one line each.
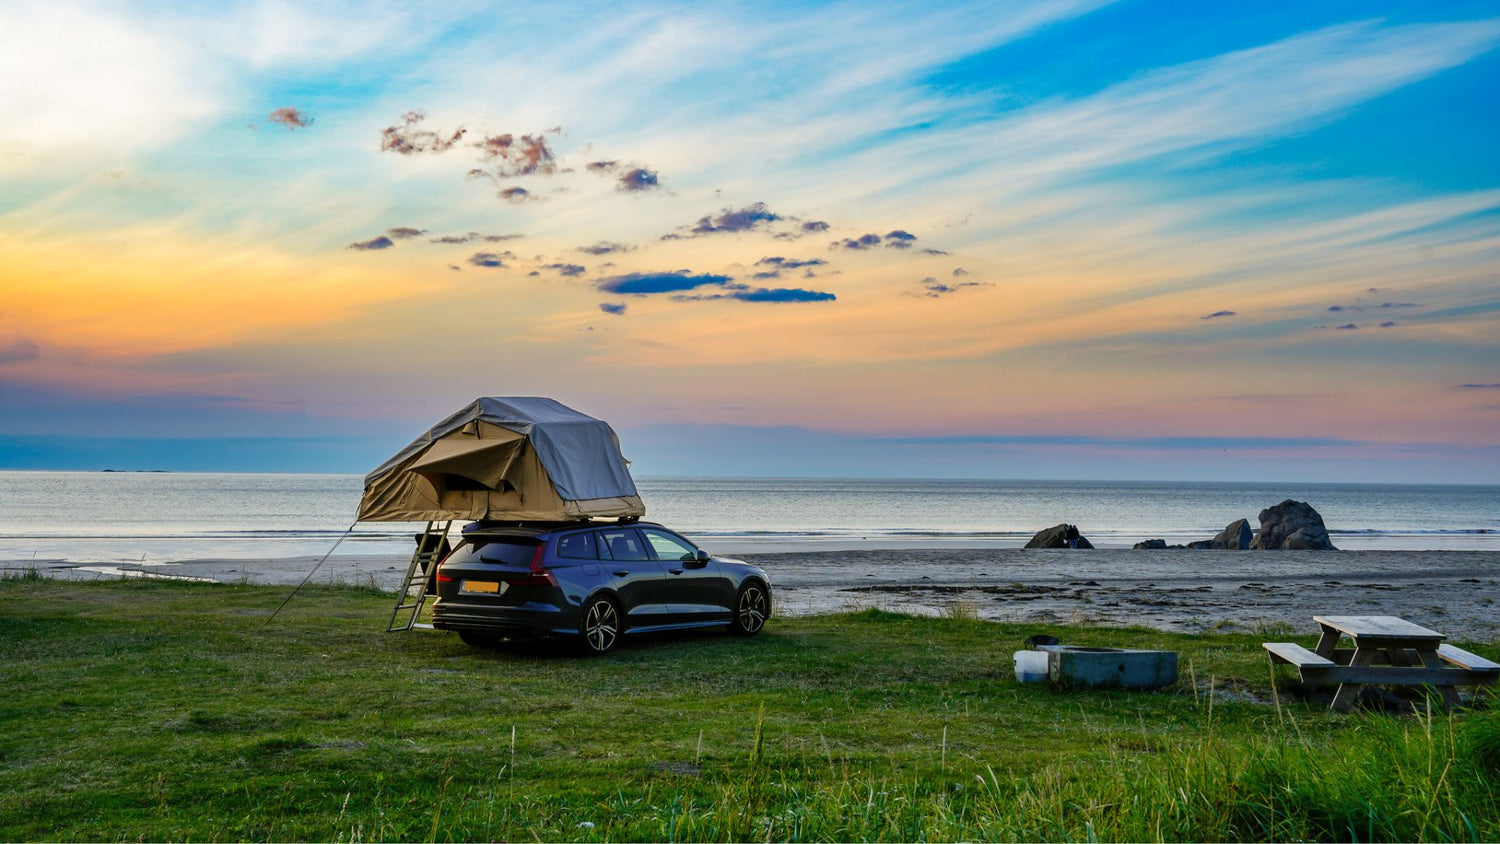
[1220, 241]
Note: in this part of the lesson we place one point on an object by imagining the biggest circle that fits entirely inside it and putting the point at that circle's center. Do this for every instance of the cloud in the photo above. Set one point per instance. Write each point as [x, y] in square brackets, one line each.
[381, 242]
[803, 229]
[404, 232]
[644, 284]
[489, 259]
[781, 263]
[745, 293]
[638, 179]
[566, 270]
[291, 118]
[19, 350]
[934, 289]
[958, 271]
[866, 241]
[515, 194]
[1388, 324]
[511, 156]
[473, 236]
[1479, 386]
[616, 308]
[1348, 326]
[406, 138]
[935, 252]
[753, 216]
[1153, 443]
[1219, 315]
[1335, 308]
[602, 166]
[1400, 305]
[899, 239]
[604, 247]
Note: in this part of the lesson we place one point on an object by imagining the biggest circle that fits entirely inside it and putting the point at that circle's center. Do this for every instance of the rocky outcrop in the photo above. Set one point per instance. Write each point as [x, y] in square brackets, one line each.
[1151, 545]
[1200, 545]
[1236, 537]
[1291, 526]
[1059, 536]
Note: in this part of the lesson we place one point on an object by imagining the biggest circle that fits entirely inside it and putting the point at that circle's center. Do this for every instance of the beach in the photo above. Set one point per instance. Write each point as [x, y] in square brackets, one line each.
[1455, 592]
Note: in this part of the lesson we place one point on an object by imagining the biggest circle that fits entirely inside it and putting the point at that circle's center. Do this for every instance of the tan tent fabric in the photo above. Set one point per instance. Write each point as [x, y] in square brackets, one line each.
[491, 461]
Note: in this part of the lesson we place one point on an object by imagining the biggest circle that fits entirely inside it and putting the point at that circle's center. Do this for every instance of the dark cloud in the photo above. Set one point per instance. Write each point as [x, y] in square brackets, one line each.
[1335, 308]
[638, 179]
[567, 270]
[1480, 386]
[935, 252]
[488, 259]
[407, 138]
[644, 284]
[381, 242]
[19, 350]
[959, 271]
[404, 232]
[1400, 305]
[291, 118]
[752, 216]
[616, 308]
[456, 268]
[1348, 326]
[899, 239]
[604, 247]
[509, 155]
[602, 166]
[781, 263]
[934, 289]
[1388, 324]
[515, 194]
[745, 293]
[1219, 314]
[473, 236]
[865, 241]
[804, 229]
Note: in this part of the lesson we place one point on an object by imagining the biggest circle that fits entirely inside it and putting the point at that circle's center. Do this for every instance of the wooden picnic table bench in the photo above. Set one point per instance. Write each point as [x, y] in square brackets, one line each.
[1387, 651]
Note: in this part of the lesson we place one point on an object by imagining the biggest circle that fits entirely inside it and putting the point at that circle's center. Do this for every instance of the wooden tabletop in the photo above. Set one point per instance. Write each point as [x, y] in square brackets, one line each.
[1379, 627]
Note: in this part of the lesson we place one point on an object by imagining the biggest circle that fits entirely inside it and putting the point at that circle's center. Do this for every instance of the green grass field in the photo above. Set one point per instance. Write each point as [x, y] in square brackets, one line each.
[167, 711]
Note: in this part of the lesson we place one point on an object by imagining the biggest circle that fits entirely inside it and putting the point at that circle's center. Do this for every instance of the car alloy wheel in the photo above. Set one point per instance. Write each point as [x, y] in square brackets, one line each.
[750, 610]
[601, 626]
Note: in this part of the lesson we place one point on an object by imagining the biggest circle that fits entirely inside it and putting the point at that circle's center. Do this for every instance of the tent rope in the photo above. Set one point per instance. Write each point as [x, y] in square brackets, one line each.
[315, 568]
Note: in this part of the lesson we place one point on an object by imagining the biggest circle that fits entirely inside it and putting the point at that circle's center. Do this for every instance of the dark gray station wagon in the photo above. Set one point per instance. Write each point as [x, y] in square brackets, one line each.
[593, 583]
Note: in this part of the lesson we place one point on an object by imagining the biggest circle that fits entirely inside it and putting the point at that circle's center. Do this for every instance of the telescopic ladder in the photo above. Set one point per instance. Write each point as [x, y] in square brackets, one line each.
[432, 544]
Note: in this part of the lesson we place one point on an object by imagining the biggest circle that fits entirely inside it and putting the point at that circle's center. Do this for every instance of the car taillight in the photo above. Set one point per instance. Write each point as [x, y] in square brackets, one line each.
[539, 574]
[443, 578]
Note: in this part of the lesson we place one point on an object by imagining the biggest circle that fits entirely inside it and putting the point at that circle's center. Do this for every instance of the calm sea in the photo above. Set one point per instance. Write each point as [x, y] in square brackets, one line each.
[113, 517]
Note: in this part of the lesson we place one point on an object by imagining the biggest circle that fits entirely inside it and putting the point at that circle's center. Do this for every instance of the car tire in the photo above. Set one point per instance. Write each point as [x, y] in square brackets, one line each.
[601, 625]
[479, 640]
[752, 605]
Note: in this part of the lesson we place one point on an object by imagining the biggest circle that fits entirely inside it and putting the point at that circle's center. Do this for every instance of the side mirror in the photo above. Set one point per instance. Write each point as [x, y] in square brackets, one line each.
[702, 556]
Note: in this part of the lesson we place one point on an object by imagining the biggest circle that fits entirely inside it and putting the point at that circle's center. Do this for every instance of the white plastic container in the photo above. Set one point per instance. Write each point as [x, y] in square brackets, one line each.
[1031, 666]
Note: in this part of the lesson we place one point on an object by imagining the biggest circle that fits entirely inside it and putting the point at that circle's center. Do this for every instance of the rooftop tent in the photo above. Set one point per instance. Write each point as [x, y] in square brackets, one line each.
[523, 459]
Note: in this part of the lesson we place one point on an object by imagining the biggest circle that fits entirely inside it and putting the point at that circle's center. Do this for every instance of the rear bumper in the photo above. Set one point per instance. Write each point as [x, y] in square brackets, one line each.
[524, 620]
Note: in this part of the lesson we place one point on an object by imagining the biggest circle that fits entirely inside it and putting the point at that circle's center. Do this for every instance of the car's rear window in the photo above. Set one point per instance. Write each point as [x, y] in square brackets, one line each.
[578, 546]
[499, 550]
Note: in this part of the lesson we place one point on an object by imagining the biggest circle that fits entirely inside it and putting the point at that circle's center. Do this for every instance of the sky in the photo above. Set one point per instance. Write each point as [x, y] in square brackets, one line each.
[1056, 239]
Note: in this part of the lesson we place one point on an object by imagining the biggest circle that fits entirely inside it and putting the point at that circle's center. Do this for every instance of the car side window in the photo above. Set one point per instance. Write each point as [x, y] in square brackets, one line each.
[578, 546]
[669, 547]
[621, 545]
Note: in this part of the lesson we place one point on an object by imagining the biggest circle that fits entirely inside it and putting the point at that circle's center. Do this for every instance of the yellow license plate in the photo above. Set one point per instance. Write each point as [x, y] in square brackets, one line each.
[480, 586]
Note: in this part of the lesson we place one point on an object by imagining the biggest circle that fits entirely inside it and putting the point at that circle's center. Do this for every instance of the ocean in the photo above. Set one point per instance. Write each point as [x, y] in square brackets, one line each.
[93, 517]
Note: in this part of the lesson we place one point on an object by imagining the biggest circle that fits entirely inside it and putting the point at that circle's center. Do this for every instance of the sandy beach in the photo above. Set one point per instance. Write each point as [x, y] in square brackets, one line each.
[1455, 592]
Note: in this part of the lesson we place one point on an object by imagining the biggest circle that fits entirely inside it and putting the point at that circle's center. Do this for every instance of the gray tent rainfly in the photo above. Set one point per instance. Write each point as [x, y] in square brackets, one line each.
[521, 459]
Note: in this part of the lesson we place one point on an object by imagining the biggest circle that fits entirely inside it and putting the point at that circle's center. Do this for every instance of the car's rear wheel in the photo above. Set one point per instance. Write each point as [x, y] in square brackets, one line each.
[600, 628]
[751, 607]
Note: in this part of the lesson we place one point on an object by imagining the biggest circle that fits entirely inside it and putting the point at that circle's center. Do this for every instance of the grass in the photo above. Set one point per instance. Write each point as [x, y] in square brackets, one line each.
[171, 711]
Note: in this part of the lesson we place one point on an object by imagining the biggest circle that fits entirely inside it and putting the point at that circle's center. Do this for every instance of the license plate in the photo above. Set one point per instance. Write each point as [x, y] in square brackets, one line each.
[482, 586]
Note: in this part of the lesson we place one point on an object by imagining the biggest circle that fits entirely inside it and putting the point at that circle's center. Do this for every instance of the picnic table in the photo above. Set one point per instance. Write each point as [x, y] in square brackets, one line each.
[1387, 651]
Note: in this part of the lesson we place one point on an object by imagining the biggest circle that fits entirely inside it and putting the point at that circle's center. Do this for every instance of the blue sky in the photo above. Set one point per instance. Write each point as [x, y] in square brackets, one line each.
[1033, 239]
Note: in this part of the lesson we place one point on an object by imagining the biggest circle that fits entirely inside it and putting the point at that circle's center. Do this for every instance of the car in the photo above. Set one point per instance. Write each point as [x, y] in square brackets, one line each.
[592, 583]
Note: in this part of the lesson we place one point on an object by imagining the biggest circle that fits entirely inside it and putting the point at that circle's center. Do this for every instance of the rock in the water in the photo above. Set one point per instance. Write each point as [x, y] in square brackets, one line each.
[1059, 536]
[1291, 525]
[1236, 537]
[1200, 545]
[1151, 545]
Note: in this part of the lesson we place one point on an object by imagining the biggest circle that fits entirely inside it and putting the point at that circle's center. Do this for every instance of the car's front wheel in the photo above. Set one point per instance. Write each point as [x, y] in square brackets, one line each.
[751, 608]
[600, 627]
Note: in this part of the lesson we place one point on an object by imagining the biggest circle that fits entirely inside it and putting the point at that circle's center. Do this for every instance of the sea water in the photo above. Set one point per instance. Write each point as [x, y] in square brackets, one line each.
[163, 517]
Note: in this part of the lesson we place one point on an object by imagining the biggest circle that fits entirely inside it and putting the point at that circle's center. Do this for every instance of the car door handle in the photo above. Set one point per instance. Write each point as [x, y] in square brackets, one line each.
[621, 573]
[675, 571]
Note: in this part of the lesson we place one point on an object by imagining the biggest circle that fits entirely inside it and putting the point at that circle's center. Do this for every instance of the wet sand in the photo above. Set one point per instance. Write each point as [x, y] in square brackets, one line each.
[1455, 592]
